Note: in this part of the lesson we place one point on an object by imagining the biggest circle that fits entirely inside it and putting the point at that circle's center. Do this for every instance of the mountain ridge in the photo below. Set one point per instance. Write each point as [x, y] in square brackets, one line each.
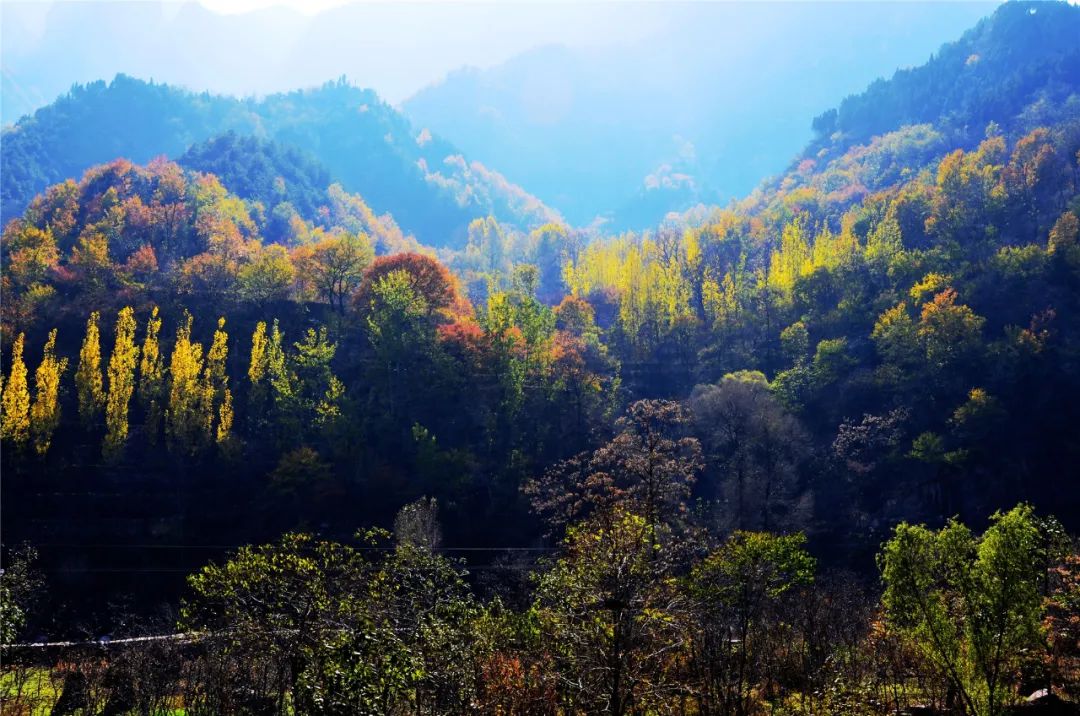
[365, 144]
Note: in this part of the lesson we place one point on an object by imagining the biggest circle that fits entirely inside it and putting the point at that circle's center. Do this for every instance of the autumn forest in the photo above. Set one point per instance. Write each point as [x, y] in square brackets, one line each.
[303, 412]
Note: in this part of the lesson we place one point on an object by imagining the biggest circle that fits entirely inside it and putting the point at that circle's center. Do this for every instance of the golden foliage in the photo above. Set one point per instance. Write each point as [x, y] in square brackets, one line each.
[183, 423]
[16, 398]
[121, 375]
[88, 380]
[152, 377]
[45, 412]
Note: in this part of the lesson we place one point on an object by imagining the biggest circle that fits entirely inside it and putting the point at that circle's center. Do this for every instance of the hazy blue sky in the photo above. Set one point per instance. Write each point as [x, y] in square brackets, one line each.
[396, 48]
[259, 46]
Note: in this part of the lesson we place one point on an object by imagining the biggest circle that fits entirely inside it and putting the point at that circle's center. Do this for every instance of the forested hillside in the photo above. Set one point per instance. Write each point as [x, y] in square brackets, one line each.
[1020, 64]
[263, 171]
[363, 143]
[809, 453]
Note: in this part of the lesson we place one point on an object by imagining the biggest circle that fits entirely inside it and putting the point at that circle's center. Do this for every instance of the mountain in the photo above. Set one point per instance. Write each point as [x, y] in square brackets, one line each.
[1024, 58]
[263, 170]
[718, 96]
[364, 144]
[1015, 71]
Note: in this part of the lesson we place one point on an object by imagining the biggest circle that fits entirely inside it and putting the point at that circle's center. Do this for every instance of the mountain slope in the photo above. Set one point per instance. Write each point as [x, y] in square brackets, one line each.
[262, 170]
[1025, 57]
[718, 96]
[1014, 72]
[365, 144]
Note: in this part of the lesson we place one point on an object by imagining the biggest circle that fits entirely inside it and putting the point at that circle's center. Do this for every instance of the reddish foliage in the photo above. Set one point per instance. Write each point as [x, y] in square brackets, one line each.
[430, 279]
[575, 314]
[142, 263]
[467, 334]
[465, 340]
[512, 687]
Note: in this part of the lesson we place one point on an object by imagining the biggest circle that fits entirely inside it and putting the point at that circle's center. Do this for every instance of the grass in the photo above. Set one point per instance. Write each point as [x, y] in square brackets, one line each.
[27, 691]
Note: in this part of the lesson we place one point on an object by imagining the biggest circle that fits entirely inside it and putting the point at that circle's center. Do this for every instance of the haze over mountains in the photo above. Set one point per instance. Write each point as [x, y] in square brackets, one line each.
[701, 110]
[395, 48]
[620, 115]
[364, 144]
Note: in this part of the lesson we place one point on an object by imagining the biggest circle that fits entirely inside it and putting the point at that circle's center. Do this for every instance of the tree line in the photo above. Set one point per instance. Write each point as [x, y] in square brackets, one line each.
[639, 609]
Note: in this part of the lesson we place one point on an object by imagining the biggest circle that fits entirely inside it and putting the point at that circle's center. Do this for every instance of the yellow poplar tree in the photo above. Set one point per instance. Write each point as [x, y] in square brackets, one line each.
[277, 367]
[16, 399]
[257, 368]
[152, 377]
[257, 374]
[121, 375]
[215, 384]
[794, 259]
[88, 381]
[182, 419]
[225, 417]
[45, 412]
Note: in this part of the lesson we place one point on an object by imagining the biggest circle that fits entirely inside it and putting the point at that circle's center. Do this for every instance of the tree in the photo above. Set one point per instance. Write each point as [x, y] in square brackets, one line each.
[733, 590]
[282, 384]
[185, 422]
[795, 342]
[45, 412]
[607, 615]
[20, 587]
[649, 467]
[335, 267]
[550, 249]
[30, 252]
[91, 261]
[971, 605]
[297, 608]
[486, 246]
[121, 375]
[885, 241]
[267, 277]
[318, 391]
[340, 633]
[16, 398]
[753, 450]
[429, 280]
[304, 482]
[226, 416]
[423, 598]
[417, 524]
[950, 333]
[400, 332]
[576, 315]
[1062, 625]
[215, 388]
[257, 367]
[152, 378]
[1063, 236]
[88, 379]
[896, 339]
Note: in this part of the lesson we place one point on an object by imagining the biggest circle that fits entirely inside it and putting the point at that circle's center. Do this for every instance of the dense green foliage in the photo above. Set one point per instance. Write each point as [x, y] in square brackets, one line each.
[263, 171]
[627, 617]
